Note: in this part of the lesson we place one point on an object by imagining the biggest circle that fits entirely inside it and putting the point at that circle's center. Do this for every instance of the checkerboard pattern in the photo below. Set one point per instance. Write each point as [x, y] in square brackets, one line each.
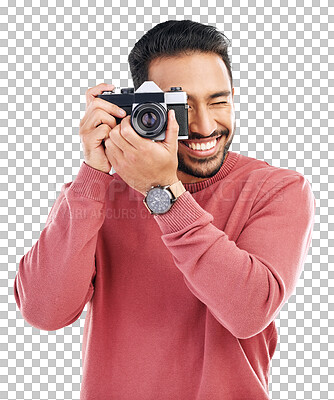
[51, 52]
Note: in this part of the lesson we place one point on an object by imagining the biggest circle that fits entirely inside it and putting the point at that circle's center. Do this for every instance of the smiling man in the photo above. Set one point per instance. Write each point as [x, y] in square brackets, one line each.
[205, 78]
[182, 299]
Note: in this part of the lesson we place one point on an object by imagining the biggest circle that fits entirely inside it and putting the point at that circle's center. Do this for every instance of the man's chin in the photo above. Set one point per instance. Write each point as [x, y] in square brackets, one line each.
[201, 168]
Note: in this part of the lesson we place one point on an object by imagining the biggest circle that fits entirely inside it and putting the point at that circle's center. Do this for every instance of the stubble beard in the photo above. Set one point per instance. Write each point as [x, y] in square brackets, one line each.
[206, 167]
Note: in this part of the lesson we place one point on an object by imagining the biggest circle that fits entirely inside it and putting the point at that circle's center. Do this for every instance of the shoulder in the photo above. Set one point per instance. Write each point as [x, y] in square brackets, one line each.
[269, 174]
[266, 180]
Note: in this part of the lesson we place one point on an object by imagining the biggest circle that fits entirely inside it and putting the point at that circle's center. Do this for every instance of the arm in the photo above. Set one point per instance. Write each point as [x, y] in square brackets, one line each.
[244, 283]
[54, 281]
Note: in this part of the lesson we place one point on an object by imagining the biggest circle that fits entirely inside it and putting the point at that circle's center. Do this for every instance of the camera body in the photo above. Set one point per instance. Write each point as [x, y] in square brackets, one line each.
[148, 107]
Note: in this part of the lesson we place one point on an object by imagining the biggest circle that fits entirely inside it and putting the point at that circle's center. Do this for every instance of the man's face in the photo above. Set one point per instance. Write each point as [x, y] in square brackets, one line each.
[211, 114]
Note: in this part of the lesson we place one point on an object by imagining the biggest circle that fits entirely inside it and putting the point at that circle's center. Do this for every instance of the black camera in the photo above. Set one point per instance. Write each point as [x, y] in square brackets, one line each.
[148, 107]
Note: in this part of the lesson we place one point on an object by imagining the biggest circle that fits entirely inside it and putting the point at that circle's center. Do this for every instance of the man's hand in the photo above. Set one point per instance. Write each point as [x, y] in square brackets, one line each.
[140, 162]
[96, 125]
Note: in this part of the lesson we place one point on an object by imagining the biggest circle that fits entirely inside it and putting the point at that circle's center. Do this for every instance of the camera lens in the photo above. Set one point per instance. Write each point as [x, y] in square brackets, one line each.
[149, 119]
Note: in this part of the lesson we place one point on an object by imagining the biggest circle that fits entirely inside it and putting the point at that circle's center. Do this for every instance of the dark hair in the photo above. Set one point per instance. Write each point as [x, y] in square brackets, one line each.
[173, 38]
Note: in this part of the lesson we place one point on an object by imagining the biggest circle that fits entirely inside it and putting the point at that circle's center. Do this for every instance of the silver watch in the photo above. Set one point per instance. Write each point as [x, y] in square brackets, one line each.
[159, 199]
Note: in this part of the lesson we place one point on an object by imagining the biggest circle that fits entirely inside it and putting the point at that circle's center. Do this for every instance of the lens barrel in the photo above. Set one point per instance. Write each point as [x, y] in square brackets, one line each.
[149, 119]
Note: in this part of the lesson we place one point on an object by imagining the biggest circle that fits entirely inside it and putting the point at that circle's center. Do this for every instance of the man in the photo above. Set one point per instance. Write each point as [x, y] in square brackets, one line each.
[181, 305]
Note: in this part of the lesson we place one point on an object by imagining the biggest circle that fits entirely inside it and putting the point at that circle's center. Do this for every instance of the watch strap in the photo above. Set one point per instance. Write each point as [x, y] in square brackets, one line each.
[177, 189]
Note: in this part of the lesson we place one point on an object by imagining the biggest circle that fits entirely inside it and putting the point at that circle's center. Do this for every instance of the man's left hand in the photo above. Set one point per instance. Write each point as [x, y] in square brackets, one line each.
[140, 162]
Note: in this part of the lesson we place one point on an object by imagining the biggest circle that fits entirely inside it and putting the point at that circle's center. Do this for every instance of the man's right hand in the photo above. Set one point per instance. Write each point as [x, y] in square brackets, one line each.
[96, 125]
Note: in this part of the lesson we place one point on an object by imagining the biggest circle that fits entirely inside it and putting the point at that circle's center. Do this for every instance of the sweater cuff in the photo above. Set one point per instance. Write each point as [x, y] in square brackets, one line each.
[183, 212]
[91, 183]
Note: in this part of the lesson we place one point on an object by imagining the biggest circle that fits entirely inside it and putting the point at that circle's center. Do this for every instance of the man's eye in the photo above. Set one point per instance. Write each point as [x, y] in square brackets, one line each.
[212, 104]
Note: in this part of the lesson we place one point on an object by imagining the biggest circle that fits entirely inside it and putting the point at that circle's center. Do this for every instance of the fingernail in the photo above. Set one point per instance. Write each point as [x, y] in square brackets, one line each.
[172, 114]
[122, 112]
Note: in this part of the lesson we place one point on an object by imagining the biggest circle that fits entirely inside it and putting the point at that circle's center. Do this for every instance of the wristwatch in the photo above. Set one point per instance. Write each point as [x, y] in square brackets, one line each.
[159, 199]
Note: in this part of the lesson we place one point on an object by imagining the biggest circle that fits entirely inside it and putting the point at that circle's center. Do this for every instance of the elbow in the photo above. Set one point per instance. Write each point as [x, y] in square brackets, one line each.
[46, 322]
[244, 327]
[38, 318]
[246, 333]
[45, 312]
[40, 323]
[32, 314]
[255, 319]
[254, 323]
[51, 319]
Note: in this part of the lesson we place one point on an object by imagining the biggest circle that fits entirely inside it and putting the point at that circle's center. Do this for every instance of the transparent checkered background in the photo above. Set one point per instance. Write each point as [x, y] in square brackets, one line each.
[282, 62]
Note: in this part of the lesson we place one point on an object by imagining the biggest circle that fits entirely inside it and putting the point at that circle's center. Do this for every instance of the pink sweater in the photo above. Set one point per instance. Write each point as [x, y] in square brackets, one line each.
[180, 306]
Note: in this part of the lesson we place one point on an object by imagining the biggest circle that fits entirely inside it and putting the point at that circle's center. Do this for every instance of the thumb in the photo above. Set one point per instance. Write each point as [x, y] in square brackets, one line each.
[172, 131]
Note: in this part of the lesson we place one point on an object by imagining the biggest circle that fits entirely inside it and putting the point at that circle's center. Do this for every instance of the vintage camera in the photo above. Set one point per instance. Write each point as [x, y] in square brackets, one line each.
[148, 107]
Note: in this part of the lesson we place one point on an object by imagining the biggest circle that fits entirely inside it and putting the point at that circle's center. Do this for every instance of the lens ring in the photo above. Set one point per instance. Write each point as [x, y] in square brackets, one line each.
[140, 110]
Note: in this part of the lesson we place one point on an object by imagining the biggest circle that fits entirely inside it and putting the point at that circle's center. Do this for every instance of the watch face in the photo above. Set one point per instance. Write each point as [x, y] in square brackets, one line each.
[159, 200]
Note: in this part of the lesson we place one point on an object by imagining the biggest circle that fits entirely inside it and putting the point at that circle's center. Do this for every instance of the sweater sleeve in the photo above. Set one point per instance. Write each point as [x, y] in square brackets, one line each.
[244, 283]
[55, 277]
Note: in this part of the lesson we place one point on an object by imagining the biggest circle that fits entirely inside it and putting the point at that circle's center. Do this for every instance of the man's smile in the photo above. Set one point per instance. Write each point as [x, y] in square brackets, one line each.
[201, 147]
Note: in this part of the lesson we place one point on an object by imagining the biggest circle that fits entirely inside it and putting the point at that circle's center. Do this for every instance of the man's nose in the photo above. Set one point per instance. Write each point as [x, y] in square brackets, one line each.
[201, 122]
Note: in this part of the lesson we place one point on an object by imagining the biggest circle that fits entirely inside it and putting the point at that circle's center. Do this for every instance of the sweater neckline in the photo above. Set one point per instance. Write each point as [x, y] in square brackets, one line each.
[225, 169]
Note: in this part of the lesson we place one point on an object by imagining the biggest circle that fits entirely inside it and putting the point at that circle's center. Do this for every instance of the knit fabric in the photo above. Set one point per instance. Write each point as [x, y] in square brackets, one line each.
[180, 305]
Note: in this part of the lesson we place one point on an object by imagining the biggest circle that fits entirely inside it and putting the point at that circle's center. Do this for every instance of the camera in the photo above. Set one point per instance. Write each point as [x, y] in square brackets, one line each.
[148, 107]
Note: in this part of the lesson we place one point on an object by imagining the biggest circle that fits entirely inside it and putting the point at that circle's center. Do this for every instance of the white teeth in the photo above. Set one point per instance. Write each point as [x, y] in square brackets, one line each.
[202, 146]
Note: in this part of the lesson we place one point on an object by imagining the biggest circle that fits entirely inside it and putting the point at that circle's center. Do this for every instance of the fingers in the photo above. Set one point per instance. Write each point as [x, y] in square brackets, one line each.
[94, 138]
[130, 135]
[98, 105]
[113, 153]
[93, 120]
[94, 91]
[118, 149]
[117, 136]
[127, 139]
[172, 130]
